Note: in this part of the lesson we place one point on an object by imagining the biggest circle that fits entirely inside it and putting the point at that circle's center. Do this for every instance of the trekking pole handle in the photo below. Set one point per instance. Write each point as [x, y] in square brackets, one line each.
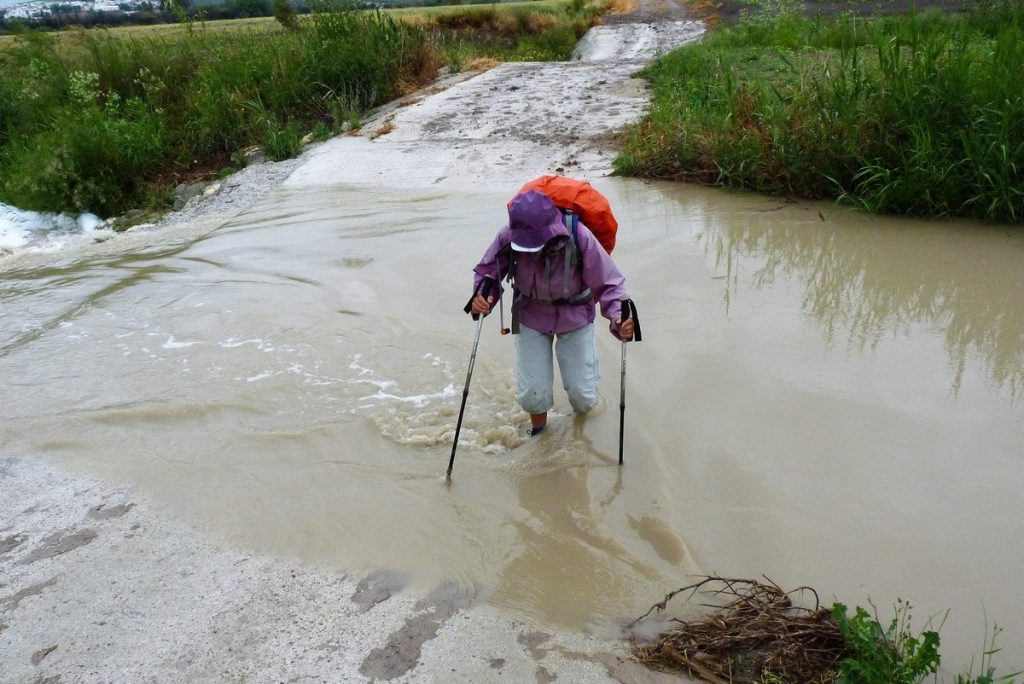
[484, 289]
[628, 311]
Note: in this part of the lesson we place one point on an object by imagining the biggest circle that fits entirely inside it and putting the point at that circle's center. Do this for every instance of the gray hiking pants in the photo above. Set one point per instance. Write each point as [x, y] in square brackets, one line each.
[577, 363]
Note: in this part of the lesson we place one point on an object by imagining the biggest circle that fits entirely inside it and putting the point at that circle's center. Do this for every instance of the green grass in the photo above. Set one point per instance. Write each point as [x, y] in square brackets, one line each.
[921, 115]
[896, 654]
[890, 654]
[424, 14]
[412, 15]
[103, 121]
[96, 132]
[73, 37]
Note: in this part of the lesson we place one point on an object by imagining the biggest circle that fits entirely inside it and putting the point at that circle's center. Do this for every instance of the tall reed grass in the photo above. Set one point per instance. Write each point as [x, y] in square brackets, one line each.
[112, 122]
[920, 114]
[91, 130]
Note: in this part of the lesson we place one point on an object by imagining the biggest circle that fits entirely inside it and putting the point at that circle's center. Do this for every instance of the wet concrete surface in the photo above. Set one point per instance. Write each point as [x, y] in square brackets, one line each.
[149, 600]
[515, 121]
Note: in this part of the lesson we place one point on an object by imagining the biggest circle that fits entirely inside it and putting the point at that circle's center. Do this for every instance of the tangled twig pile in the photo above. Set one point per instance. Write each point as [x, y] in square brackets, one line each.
[758, 635]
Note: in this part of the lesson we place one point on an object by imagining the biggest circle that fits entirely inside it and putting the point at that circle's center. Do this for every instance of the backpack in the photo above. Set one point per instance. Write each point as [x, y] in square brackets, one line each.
[582, 201]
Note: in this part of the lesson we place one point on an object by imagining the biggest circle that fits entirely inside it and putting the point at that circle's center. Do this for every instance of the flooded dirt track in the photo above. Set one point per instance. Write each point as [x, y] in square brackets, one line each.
[823, 397]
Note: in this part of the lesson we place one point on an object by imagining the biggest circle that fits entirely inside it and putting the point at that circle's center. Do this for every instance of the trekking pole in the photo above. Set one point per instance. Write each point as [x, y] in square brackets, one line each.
[628, 310]
[485, 288]
[501, 306]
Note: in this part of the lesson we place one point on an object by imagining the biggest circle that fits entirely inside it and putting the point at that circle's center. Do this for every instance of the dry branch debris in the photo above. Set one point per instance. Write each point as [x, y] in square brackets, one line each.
[758, 635]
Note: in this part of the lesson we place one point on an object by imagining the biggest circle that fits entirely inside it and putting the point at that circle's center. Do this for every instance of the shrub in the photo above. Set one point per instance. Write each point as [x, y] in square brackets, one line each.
[876, 654]
[136, 112]
[286, 15]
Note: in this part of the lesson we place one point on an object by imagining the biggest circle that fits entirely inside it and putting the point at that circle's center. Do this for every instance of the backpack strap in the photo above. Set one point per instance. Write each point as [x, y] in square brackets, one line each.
[572, 221]
[572, 251]
[514, 312]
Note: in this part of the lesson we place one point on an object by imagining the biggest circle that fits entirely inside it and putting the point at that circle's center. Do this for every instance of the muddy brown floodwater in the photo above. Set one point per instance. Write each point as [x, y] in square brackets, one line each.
[823, 397]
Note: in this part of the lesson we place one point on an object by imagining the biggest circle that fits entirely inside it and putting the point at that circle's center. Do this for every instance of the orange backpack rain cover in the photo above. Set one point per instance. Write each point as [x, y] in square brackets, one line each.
[591, 206]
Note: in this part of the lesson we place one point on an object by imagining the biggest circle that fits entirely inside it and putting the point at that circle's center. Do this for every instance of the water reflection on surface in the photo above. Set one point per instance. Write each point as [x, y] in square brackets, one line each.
[863, 283]
[833, 398]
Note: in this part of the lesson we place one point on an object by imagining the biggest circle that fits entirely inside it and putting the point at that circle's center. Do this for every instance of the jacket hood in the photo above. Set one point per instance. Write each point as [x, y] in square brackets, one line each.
[533, 221]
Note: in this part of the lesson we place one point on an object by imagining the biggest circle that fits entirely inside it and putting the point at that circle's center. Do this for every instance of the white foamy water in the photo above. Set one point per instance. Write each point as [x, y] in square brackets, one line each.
[22, 230]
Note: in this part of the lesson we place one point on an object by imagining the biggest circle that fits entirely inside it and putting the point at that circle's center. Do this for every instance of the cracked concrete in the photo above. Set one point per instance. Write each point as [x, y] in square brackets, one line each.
[9, 603]
[103, 512]
[376, 587]
[12, 542]
[39, 655]
[60, 543]
[402, 651]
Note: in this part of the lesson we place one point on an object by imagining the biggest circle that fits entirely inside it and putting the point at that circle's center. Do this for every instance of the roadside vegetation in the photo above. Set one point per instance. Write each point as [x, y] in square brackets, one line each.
[756, 633]
[921, 114]
[179, 22]
[101, 122]
[534, 33]
[158, 12]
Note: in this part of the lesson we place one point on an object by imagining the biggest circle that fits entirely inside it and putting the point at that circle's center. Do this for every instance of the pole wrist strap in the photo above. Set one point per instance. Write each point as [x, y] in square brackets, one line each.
[627, 312]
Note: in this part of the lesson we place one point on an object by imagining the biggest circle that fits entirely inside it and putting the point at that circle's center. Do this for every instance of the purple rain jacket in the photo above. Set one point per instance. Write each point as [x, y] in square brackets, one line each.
[536, 292]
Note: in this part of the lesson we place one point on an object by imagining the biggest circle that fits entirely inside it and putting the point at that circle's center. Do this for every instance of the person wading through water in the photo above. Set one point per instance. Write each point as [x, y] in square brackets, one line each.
[556, 279]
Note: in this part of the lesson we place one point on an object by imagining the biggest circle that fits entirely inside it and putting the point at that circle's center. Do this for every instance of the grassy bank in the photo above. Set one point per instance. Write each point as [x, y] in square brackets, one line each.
[920, 114]
[414, 15]
[102, 122]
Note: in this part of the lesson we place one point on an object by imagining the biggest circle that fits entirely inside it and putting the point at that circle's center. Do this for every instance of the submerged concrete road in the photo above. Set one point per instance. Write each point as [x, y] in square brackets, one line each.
[98, 588]
[97, 583]
[512, 123]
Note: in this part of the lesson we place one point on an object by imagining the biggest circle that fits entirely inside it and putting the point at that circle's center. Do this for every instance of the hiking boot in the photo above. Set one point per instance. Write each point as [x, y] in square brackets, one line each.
[538, 421]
